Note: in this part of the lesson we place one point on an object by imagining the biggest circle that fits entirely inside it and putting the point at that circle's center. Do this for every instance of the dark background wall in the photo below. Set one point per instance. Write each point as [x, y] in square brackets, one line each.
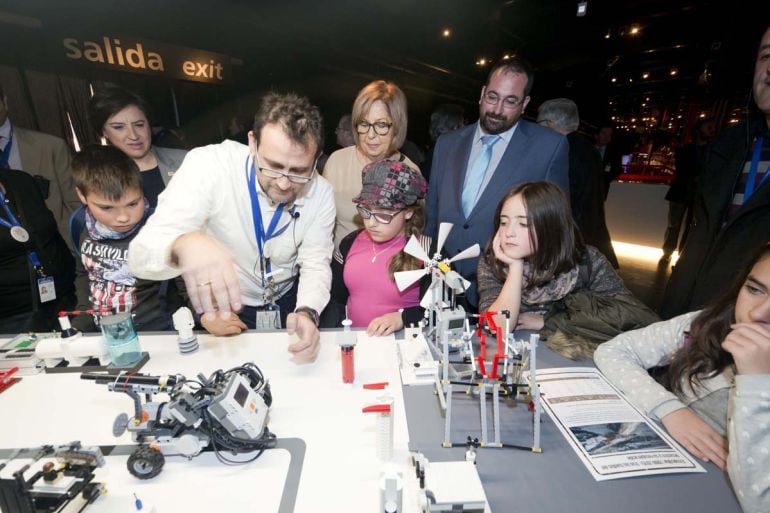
[329, 50]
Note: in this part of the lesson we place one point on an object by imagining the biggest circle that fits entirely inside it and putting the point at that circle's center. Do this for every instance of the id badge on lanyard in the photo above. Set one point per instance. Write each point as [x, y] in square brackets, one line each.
[270, 317]
[46, 287]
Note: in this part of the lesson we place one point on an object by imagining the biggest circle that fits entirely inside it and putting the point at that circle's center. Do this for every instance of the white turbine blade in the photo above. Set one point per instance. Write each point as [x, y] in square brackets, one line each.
[456, 282]
[443, 233]
[405, 278]
[426, 298]
[471, 252]
[414, 248]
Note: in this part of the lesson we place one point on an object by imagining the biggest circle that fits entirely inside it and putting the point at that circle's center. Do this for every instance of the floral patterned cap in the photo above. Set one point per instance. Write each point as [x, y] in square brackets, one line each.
[390, 184]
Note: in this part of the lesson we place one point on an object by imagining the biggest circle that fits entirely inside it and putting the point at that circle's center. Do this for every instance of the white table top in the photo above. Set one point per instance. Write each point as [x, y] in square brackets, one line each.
[310, 402]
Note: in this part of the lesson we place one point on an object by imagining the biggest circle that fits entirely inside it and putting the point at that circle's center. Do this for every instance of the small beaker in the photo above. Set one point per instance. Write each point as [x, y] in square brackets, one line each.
[120, 337]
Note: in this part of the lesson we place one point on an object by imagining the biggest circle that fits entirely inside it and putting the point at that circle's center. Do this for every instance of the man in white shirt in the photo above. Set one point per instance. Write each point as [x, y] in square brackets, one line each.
[249, 227]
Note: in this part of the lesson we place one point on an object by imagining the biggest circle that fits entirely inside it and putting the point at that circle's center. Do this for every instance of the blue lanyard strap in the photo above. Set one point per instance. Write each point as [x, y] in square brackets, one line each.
[749, 190]
[12, 221]
[35, 261]
[5, 156]
[261, 235]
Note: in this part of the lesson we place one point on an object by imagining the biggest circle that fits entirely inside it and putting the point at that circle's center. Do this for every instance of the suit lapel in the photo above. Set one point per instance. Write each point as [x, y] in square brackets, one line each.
[718, 194]
[165, 169]
[761, 194]
[30, 159]
[461, 154]
[759, 199]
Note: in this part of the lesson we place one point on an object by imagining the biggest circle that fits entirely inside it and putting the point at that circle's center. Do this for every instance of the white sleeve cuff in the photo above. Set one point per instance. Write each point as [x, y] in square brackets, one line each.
[665, 408]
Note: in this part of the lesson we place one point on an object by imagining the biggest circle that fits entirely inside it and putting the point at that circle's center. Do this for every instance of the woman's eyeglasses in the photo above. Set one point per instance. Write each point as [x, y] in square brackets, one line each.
[380, 127]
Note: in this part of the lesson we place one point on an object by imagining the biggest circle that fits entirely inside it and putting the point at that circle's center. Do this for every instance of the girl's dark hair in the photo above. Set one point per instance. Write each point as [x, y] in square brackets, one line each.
[553, 235]
[108, 101]
[702, 357]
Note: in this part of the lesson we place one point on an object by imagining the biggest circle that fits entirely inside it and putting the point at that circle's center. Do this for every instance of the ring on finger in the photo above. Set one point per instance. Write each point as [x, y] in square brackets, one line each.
[204, 283]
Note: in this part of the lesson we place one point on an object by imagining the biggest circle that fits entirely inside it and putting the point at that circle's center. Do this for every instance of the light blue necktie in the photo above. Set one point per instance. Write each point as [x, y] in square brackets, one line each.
[475, 177]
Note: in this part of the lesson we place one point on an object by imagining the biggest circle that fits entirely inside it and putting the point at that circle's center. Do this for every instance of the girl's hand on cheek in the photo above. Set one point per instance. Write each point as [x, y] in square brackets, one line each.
[497, 247]
[749, 343]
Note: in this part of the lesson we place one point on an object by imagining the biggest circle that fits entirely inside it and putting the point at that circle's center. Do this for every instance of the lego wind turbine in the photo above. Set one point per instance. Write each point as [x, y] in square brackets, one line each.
[438, 267]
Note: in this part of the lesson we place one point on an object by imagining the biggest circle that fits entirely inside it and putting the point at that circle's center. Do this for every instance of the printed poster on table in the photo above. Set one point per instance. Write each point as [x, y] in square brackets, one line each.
[610, 436]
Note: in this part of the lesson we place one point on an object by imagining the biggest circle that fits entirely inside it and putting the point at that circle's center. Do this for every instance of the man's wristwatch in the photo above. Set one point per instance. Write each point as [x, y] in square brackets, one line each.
[310, 313]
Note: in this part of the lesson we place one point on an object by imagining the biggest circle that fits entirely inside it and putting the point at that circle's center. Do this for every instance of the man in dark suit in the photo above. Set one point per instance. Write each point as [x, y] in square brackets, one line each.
[688, 162]
[731, 212]
[44, 156]
[609, 154]
[475, 166]
[586, 183]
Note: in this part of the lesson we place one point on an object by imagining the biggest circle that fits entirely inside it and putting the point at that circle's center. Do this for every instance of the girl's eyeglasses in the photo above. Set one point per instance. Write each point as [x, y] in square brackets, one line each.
[381, 217]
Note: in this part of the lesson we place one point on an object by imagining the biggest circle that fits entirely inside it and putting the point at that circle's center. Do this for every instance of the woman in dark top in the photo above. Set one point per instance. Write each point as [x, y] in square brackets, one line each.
[22, 308]
[122, 117]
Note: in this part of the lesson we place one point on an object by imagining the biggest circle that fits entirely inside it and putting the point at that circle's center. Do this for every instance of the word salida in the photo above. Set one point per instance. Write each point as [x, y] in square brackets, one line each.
[112, 53]
[109, 51]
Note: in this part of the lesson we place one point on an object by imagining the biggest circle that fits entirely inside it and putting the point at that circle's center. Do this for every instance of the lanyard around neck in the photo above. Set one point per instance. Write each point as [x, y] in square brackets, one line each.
[16, 228]
[261, 235]
[749, 190]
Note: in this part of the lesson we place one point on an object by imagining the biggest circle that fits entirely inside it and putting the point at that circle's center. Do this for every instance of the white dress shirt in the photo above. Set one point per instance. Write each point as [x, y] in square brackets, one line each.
[210, 192]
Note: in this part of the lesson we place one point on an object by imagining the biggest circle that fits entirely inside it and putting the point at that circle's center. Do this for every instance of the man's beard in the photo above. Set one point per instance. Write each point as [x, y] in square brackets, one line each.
[493, 124]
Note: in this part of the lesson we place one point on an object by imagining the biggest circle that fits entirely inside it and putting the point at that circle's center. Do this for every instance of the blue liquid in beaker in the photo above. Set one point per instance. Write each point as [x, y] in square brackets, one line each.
[120, 337]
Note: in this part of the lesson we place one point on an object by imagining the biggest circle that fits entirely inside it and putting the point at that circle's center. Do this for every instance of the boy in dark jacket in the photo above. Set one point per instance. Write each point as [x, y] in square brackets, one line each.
[109, 185]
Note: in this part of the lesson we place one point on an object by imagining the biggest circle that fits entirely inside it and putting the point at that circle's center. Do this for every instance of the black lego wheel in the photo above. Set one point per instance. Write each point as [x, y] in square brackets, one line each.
[145, 463]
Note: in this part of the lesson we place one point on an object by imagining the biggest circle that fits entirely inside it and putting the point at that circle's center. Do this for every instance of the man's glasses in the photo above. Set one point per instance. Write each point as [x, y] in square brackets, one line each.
[272, 173]
[509, 102]
[381, 217]
[380, 127]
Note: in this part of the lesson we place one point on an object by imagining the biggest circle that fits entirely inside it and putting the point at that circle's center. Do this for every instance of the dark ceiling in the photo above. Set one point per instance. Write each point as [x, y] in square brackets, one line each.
[328, 50]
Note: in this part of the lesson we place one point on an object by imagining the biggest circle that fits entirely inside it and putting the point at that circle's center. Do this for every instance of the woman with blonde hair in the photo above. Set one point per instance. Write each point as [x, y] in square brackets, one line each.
[379, 129]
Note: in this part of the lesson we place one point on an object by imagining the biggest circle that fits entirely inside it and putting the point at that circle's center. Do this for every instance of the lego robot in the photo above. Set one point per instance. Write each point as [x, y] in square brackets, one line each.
[227, 412]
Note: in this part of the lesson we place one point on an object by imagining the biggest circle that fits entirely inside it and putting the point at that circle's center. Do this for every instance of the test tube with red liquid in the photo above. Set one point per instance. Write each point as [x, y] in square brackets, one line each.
[347, 344]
